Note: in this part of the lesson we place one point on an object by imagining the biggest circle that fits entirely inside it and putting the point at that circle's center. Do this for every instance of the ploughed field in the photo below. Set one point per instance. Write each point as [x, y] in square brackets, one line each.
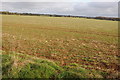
[78, 46]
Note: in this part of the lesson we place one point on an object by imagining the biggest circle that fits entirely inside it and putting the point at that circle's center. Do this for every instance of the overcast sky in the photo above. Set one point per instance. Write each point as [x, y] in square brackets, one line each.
[75, 7]
[60, 0]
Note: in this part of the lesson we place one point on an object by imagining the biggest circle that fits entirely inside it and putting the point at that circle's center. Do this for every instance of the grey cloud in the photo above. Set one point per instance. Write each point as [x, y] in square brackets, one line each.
[20, 5]
[97, 9]
[69, 8]
[102, 4]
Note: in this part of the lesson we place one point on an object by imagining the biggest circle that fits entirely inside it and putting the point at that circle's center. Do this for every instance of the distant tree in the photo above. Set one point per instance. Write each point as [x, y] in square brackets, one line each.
[54, 15]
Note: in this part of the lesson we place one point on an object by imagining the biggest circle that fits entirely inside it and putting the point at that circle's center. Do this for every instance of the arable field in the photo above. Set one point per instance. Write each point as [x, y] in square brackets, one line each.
[59, 47]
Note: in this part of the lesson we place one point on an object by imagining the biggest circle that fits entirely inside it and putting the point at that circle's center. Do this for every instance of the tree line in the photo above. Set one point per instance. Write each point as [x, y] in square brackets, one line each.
[54, 15]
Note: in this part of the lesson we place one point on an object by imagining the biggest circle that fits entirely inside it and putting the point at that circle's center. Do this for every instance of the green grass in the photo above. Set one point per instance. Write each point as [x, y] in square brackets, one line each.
[16, 65]
[89, 43]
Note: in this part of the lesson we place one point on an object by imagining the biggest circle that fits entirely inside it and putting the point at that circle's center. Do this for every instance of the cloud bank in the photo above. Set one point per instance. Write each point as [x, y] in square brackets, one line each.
[64, 8]
[60, 0]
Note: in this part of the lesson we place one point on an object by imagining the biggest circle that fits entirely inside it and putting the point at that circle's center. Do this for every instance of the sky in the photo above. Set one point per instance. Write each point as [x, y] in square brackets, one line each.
[59, 0]
[63, 7]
